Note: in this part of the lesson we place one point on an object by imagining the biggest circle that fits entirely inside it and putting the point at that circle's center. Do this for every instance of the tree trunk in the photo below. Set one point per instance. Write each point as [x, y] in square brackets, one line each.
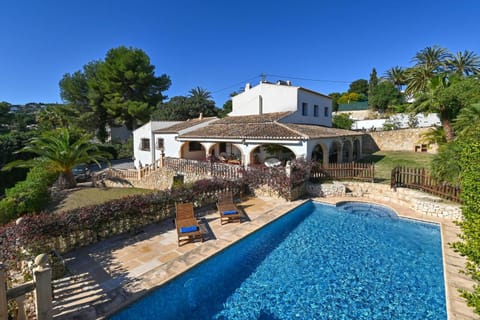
[447, 126]
[66, 180]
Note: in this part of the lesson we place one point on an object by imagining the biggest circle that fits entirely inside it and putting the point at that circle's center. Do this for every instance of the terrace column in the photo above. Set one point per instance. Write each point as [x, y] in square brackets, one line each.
[42, 275]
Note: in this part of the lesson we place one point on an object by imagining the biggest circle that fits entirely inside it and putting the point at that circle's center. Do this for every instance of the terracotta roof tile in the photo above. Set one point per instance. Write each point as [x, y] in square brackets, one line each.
[313, 131]
[263, 131]
[183, 125]
[257, 118]
[257, 127]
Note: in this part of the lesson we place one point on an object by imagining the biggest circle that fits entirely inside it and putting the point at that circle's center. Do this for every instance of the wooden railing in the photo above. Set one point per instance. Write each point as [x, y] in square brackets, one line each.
[418, 178]
[351, 170]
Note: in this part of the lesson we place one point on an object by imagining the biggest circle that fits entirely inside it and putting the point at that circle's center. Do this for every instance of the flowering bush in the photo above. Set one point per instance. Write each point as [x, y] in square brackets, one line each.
[43, 232]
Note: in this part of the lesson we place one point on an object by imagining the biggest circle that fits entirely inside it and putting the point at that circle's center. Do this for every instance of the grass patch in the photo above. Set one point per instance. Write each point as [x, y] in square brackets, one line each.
[87, 196]
[385, 161]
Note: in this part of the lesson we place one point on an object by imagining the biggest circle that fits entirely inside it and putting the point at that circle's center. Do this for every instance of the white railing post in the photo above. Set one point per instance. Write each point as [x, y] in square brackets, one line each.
[3, 293]
[42, 275]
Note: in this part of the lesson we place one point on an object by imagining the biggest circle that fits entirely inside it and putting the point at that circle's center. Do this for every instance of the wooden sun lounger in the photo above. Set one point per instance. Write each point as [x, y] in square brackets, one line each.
[229, 212]
[187, 225]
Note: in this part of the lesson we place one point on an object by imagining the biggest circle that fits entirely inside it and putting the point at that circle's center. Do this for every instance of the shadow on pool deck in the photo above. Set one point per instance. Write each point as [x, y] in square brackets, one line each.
[113, 273]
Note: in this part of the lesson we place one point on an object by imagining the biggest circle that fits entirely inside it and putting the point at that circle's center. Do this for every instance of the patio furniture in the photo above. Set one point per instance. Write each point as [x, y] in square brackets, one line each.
[272, 162]
[229, 212]
[187, 225]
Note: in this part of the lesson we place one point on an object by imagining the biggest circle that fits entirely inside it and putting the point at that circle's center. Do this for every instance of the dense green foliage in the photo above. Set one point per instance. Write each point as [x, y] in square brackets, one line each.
[180, 108]
[28, 196]
[383, 95]
[58, 151]
[470, 244]
[342, 121]
[372, 84]
[9, 144]
[359, 86]
[122, 89]
[335, 96]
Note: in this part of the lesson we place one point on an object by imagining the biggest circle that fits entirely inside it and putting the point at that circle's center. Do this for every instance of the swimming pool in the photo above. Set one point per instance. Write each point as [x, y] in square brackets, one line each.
[316, 262]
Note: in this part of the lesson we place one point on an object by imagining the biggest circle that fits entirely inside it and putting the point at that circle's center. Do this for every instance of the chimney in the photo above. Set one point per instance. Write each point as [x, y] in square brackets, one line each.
[200, 116]
[248, 86]
[289, 83]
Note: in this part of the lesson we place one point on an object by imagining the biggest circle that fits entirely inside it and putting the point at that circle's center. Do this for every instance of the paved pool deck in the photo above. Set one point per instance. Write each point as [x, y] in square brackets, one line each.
[113, 273]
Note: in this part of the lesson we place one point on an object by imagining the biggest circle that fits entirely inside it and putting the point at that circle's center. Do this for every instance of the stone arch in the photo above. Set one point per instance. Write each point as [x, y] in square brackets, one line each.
[319, 153]
[193, 150]
[259, 154]
[347, 151]
[225, 152]
[335, 152]
[357, 151]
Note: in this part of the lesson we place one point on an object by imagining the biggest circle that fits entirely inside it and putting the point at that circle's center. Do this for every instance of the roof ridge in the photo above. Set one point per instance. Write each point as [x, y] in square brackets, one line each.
[293, 130]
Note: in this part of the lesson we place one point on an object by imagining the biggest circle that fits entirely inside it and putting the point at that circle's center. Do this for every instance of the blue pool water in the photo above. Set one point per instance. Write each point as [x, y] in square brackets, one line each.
[355, 261]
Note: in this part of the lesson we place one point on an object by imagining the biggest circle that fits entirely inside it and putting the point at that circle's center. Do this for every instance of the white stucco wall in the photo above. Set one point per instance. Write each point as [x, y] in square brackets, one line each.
[145, 157]
[281, 98]
[401, 120]
[311, 100]
[275, 98]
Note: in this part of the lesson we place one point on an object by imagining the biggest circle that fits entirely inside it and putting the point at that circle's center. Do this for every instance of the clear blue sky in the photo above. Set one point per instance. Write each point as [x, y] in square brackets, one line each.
[220, 45]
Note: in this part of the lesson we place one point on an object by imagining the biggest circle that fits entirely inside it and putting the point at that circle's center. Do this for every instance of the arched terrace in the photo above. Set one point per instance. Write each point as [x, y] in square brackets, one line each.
[193, 150]
[347, 151]
[268, 151]
[225, 152]
[356, 154]
[319, 154]
[335, 154]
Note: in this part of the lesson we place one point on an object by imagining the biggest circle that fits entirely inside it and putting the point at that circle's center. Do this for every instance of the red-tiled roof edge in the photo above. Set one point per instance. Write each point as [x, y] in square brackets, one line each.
[293, 130]
[199, 121]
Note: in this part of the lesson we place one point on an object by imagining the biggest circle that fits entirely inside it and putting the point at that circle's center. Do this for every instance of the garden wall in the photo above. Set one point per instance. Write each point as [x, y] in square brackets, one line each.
[420, 202]
[160, 179]
[395, 140]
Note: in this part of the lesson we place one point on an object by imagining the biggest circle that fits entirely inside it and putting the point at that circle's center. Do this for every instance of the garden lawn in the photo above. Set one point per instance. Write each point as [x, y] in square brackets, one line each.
[385, 161]
[87, 196]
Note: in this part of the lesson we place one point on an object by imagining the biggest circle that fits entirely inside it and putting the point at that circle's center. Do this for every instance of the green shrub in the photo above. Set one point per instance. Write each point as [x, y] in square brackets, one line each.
[470, 244]
[28, 196]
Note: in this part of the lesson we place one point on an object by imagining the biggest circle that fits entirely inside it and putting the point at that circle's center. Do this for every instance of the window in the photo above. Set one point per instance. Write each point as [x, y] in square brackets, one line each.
[223, 147]
[145, 144]
[194, 146]
[315, 110]
[304, 109]
[325, 111]
[160, 144]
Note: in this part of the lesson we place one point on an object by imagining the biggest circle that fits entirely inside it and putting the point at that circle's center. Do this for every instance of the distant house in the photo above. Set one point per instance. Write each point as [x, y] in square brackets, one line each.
[270, 120]
[357, 110]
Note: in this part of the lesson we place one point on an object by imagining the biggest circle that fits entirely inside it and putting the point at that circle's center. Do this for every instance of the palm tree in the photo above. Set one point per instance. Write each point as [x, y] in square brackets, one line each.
[464, 63]
[200, 102]
[429, 102]
[397, 76]
[434, 58]
[467, 121]
[435, 135]
[60, 153]
[418, 79]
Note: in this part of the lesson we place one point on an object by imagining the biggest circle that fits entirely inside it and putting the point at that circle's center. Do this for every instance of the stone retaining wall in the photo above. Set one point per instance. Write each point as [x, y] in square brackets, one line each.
[394, 140]
[419, 201]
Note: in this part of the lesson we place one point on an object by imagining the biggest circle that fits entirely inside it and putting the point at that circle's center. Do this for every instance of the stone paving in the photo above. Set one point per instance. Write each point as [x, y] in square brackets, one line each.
[109, 275]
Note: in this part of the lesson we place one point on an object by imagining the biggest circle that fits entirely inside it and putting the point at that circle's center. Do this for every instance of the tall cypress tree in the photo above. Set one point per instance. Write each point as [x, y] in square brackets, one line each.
[372, 84]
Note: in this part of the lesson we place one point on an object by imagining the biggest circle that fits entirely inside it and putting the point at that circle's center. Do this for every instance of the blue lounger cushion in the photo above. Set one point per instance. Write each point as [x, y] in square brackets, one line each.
[188, 229]
[230, 212]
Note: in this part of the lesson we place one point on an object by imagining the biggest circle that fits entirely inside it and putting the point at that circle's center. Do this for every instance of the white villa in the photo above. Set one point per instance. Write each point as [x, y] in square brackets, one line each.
[270, 120]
